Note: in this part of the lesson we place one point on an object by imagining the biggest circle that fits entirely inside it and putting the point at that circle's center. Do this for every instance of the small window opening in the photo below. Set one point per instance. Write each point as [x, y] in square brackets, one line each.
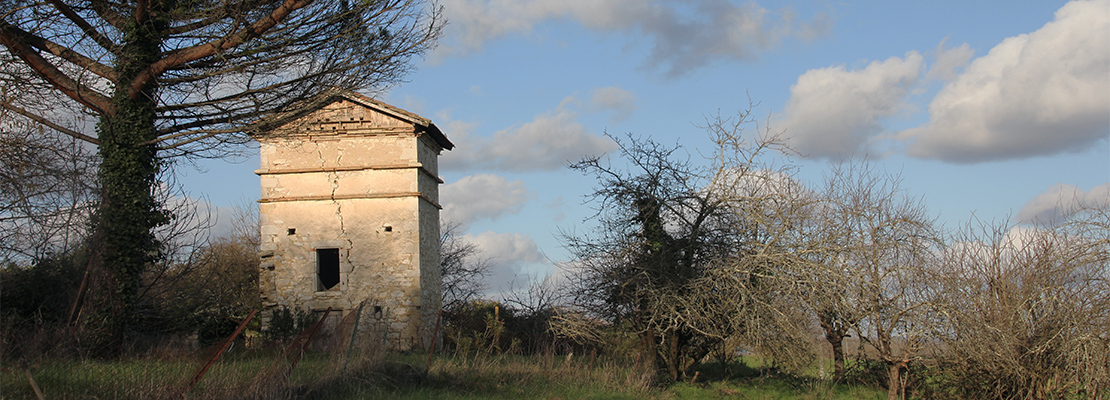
[327, 269]
[291, 231]
[388, 228]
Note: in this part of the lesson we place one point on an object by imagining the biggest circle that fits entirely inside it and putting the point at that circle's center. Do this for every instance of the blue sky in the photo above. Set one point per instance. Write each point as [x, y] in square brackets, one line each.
[996, 111]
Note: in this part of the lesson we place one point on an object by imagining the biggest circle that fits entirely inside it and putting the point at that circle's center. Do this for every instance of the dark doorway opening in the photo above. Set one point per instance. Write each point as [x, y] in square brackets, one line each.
[327, 269]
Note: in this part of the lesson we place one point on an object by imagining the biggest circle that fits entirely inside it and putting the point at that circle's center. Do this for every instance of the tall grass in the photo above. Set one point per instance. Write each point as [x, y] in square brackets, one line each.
[254, 374]
[263, 374]
[515, 376]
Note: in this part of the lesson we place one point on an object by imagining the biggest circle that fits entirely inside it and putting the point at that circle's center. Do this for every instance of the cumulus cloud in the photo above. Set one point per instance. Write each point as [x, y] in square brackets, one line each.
[987, 250]
[546, 143]
[683, 35]
[1033, 94]
[621, 102]
[482, 196]
[511, 257]
[948, 61]
[1061, 200]
[835, 112]
[747, 183]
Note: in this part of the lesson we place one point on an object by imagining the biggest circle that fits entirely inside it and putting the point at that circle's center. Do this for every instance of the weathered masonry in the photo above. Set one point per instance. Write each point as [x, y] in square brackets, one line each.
[350, 213]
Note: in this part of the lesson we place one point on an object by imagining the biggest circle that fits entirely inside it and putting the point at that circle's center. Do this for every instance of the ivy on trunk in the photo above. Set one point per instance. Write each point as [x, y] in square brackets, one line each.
[170, 78]
[128, 172]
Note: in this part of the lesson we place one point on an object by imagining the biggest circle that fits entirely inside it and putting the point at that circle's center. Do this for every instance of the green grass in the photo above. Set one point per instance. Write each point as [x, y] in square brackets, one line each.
[321, 376]
[149, 377]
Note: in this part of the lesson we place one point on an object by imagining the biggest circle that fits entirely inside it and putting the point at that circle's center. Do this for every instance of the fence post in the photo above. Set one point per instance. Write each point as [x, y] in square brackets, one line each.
[311, 334]
[227, 343]
[435, 338]
[354, 335]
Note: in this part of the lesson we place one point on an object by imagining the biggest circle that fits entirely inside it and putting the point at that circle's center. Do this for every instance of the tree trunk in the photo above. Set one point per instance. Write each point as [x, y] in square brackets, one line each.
[894, 381]
[672, 352]
[128, 211]
[650, 353]
[834, 334]
[837, 343]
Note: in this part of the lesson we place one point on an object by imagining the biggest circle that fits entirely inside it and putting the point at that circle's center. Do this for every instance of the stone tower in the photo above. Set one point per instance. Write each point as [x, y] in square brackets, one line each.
[350, 213]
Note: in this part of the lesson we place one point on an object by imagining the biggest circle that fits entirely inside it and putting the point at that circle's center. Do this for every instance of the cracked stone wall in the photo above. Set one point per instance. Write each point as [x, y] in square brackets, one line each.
[354, 179]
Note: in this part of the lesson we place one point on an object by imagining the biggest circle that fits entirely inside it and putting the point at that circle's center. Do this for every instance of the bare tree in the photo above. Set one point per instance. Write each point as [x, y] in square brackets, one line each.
[1025, 311]
[213, 282]
[875, 273]
[677, 254]
[47, 192]
[167, 78]
[535, 307]
[462, 270]
[650, 245]
[47, 196]
[756, 296]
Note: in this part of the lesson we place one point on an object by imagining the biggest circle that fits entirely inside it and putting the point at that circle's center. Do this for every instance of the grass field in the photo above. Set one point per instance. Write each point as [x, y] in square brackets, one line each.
[251, 374]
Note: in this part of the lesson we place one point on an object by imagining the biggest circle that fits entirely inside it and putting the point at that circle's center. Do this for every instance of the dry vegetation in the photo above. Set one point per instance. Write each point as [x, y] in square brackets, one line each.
[699, 259]
[246, 375]
[847, 288]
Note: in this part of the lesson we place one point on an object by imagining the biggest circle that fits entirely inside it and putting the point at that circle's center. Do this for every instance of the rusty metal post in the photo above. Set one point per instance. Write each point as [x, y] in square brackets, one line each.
[354, 335]
[311, 334]
[227, 343]
[34, 385]
[435, 338]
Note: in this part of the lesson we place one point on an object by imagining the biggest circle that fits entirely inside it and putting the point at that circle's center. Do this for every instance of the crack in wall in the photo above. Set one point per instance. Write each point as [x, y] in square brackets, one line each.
[391, 242]
[334, 178]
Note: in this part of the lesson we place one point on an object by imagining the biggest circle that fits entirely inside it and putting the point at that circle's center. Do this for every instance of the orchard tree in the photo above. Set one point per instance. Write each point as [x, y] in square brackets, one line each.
[1025, 310]
[877, 267]
[672, 258]
[657, 233]
[168, 78]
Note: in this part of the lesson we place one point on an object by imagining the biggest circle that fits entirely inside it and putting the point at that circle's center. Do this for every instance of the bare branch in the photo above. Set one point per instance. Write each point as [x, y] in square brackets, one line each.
[40, 119]
[192, 53]
[17, 41]
[93, 33]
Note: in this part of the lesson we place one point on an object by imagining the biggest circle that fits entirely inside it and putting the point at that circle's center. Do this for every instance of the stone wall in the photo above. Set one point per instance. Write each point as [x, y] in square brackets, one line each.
[350, 178]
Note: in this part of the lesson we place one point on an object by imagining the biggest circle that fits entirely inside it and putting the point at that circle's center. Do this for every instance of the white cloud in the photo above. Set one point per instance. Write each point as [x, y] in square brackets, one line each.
[547, 143]
[1059, 201]
[621, 102]
[747, 183]
[482, 196]
[1033, 94]
[989, 249]
[510, 248]
[835, 112]
[512, 256]
[684, 35]
[948, 61]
